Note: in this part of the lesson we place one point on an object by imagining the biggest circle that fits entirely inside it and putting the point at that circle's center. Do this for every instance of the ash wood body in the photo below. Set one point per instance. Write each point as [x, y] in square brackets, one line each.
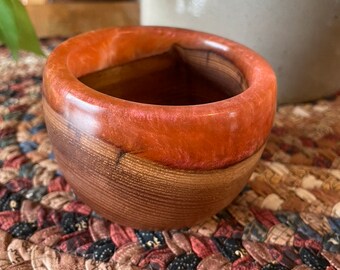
[136, 192]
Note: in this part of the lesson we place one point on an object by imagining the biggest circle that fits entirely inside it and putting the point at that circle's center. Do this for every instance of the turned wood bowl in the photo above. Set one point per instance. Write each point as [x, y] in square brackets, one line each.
[156, 127]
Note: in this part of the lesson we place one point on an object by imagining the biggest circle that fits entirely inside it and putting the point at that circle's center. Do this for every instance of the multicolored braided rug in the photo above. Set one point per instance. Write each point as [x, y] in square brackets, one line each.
[288, 217]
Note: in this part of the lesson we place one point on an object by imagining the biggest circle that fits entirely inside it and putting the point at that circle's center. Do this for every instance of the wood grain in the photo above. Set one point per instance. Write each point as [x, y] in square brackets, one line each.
[135, 192]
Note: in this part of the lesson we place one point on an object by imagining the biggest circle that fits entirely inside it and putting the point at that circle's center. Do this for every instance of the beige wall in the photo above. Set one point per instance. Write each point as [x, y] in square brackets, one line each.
[300, 38]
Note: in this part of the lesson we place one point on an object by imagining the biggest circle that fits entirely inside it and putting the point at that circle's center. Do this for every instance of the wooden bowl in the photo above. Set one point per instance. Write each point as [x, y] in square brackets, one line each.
[155, 127]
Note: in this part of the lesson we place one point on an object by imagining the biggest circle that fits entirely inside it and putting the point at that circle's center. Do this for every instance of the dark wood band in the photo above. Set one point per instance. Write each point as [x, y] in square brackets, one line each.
[136, 192]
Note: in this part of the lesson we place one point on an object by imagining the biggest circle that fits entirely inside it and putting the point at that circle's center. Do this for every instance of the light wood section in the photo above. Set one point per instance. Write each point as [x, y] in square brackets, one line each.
[69, 19]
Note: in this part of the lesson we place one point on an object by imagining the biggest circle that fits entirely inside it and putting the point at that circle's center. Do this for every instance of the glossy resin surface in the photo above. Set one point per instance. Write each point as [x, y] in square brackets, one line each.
[207, 136]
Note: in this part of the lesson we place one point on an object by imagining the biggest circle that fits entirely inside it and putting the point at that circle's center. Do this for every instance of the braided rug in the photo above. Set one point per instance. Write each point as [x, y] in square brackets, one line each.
[288, 217]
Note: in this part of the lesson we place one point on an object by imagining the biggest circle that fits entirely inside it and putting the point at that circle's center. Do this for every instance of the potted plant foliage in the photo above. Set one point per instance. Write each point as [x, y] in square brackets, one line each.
[16, 30]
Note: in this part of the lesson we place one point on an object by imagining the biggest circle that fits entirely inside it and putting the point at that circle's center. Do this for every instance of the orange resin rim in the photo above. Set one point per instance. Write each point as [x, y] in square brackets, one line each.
[206, 136]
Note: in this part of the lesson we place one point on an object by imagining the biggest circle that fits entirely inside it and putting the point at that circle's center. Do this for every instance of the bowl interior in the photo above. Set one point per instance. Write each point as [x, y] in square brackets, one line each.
[179, 76]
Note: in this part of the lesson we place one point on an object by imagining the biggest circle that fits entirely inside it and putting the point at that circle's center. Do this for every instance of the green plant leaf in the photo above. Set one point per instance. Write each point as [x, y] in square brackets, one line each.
[1, 36]
[16, 29]
[8, 28]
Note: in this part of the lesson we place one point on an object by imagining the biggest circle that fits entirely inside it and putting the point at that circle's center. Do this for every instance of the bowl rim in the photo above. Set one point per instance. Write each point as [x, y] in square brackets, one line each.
[80, 90]
[247, 117]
